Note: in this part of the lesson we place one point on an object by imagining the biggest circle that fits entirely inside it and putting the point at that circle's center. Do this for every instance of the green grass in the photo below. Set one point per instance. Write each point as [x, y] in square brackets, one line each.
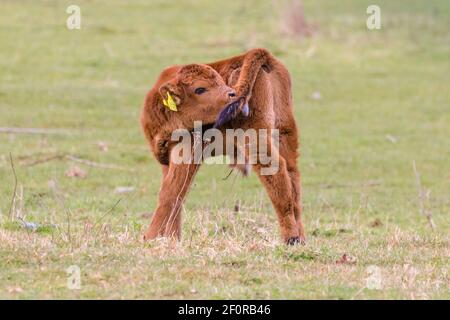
[384, 104]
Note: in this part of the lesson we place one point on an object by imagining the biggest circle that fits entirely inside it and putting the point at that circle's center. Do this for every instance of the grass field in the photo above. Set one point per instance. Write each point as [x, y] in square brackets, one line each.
[368, 103]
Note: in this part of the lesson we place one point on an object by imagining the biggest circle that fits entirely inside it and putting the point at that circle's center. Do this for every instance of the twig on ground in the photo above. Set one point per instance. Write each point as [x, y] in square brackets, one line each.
[77, 159]
[43, 160]
[423, 196]
[370, 183]
[32, 130]
[108, 212]
[97, 164]
[13, 200]
[228, 175]
[60, 198]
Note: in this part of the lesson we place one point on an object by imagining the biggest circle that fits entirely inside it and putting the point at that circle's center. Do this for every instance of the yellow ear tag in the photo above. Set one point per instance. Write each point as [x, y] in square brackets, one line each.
[170, 103]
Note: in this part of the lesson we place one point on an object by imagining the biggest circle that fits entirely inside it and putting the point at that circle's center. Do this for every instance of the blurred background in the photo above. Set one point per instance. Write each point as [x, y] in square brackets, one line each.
[369, 104]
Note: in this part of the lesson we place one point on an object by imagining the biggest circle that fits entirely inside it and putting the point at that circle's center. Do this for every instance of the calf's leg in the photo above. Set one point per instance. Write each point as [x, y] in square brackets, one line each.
[288, 151]
[279, 188]
[166, 221]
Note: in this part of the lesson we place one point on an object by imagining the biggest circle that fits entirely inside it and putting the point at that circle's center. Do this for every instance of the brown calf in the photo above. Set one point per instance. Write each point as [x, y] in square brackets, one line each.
[261, 99]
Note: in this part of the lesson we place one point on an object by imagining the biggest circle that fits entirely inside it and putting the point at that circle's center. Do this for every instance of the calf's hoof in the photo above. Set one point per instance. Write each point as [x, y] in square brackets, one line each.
[292, 241]
[149, 235]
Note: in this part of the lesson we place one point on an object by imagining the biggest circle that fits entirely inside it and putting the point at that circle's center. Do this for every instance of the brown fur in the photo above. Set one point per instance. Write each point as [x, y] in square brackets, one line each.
[263, 82]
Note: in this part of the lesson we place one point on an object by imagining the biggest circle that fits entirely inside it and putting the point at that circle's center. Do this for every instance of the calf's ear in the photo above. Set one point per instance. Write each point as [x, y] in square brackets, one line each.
[171, 94]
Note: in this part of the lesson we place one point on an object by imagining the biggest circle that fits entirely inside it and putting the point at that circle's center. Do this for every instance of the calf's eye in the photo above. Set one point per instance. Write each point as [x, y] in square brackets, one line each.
[200, 90]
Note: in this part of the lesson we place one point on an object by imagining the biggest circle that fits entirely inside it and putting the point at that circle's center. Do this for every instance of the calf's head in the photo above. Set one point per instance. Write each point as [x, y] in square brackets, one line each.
[196, 93]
